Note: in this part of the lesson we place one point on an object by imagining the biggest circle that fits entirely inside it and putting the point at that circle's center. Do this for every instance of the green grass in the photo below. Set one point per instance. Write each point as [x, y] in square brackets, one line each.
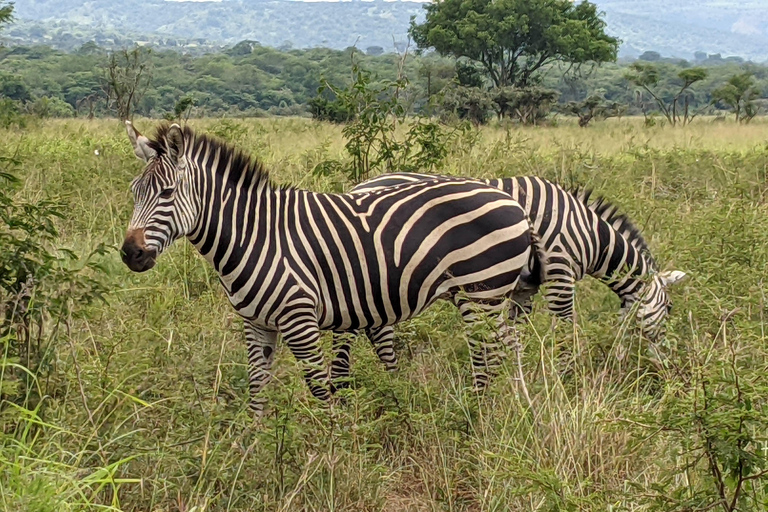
[145, 405]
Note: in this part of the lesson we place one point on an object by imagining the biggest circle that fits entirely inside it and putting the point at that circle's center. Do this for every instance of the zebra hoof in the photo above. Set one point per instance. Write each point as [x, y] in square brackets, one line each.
[339, 384]
[340, 400]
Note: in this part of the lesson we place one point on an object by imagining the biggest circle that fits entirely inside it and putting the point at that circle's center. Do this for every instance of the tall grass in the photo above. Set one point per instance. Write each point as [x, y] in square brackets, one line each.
[146, 408]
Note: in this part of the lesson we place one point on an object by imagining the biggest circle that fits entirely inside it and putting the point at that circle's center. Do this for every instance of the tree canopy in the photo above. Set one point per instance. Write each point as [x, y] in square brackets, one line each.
[647, 76]
[513, 39]
[267, 81]
[6, 13]
[739, 93]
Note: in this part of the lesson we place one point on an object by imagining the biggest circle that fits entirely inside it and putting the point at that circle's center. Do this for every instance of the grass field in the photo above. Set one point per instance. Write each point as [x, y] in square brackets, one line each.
[144, 403]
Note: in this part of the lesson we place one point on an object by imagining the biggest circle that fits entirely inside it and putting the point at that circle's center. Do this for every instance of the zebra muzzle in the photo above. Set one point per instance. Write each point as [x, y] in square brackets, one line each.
[135, 253]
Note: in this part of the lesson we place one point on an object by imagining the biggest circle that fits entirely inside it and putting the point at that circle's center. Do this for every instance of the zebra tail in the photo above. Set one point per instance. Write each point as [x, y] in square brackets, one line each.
[533, 275]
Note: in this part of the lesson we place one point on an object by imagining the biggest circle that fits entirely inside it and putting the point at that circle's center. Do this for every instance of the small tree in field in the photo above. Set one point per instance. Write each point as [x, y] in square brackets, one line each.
[674, 106]
[374, 142]
[182, 110]
[126, 78]
[739, 94]
[469, 103]
[585, 110]
[528, 105]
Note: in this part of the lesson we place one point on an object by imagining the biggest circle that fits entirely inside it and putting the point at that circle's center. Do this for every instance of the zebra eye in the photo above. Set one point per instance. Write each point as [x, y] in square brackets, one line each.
[166, 193]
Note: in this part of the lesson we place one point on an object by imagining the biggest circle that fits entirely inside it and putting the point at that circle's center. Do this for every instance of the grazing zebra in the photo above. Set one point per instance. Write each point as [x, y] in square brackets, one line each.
[294, 262]
[579, 236]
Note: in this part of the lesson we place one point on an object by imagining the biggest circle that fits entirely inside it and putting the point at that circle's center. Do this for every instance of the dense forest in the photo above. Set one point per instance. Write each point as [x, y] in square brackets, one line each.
[252, 80]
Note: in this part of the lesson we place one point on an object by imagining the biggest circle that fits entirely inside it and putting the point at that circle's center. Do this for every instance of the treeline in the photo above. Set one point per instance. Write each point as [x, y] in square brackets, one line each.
[253, 80]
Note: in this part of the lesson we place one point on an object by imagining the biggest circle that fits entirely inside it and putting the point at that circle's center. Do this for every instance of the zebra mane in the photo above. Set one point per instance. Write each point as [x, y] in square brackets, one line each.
[610, 213]
[241, 162]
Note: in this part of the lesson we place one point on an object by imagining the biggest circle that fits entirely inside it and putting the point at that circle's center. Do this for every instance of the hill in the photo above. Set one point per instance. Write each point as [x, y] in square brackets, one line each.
[271, 22]
[671, 27]
[678, 28]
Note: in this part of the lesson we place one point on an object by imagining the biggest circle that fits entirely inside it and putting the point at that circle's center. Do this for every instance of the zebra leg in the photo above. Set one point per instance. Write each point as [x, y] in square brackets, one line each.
[520, 307]
[261, 352]
[382, 339]
[302, 335]
[340, 363]
[509, 337]
[560, 288]
[483, 349]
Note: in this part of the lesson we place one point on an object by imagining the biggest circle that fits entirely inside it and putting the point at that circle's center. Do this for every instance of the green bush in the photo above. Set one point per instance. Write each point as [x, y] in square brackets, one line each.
[375, 141]
[50, 107]
[470, 103]
[10, 114]
[324, 109]
[40, 289]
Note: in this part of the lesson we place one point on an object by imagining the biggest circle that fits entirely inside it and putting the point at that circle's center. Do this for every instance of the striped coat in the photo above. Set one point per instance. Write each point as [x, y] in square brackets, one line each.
[294, 262]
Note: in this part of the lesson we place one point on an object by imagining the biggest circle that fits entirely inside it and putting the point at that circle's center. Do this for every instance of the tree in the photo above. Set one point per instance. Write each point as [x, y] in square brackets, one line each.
[89, 101]
[243, 48]
[528, 105]
[650, 56]
[182, 110]
[126, 78]
[585, 110]
[469, 103]
[738, 93]
[436, 75]
[646, 76]
[513, 39]
[13, 87]
[6, 13]
[467, 75]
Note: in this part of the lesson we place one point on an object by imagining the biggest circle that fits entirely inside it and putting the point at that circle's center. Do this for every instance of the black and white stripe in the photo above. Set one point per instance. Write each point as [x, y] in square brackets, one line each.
[294, 262]
[580, 236]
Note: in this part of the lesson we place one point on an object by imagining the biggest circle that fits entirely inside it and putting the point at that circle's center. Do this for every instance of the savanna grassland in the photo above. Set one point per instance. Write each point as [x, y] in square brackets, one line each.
[141, 404]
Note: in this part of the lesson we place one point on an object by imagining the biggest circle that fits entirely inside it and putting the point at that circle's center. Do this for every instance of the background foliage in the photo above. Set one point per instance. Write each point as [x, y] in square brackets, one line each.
[253, 80]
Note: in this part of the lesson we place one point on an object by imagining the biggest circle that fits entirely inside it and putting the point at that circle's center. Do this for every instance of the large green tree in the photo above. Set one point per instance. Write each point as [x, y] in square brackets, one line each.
[513, 39]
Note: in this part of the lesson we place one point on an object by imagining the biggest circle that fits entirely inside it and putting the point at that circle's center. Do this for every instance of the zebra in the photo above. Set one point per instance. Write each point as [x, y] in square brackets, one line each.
[294, 262]
[579, 236]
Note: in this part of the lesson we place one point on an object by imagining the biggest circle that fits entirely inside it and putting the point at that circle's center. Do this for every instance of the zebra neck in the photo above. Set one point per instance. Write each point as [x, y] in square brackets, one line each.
[237, 224]
[622, 267]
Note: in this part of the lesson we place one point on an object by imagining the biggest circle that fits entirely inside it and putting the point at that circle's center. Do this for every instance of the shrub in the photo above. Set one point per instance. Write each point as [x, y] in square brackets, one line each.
[528, 105]
[46, 107]
[324, 109]
[372, 137]
[10, 114]
[40, 288]
[470, 103]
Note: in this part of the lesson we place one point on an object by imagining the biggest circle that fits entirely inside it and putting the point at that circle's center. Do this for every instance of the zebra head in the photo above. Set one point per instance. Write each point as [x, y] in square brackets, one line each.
[654, 304]
[163, 206]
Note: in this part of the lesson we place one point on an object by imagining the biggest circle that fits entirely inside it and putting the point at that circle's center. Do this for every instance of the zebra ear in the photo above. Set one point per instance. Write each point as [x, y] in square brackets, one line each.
[175, 141]
[670, 277]
[140, 143]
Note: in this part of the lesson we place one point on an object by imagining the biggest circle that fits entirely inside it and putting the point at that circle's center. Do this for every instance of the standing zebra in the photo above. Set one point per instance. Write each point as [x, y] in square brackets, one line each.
[294, 262]
[579, 236]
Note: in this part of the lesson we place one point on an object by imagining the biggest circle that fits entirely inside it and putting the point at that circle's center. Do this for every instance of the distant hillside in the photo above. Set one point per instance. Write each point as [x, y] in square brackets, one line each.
[671, 27]
[678, 28]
